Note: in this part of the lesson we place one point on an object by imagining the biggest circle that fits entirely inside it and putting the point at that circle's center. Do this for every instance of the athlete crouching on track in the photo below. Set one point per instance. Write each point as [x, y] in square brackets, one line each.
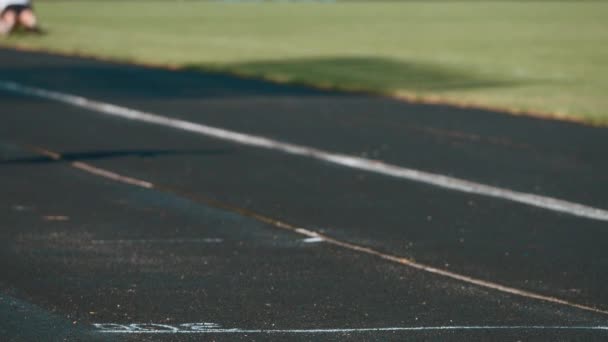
[15, 13]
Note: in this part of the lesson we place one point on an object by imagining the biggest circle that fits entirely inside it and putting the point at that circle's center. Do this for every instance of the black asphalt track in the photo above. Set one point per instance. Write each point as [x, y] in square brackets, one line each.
[78, 249]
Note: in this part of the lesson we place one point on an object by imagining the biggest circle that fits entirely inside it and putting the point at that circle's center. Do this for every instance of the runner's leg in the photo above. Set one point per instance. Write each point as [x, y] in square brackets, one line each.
[28, 20]
[7, 22]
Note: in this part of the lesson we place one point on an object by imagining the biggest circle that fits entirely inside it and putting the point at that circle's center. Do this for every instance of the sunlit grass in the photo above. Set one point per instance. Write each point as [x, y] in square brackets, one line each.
[539, 56]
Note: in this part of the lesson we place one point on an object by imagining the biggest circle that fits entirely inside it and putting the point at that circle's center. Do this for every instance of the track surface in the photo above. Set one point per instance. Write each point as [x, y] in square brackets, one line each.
[79, 249]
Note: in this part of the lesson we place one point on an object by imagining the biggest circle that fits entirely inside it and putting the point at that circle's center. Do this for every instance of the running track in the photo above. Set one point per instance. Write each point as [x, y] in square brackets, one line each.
[136, 202]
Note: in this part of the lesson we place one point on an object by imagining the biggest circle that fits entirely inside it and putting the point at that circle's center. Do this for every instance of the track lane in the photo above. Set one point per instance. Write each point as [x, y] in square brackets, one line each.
[353, 162]
[524, 154]
[257, 277]
[518, 246]
[452, 232]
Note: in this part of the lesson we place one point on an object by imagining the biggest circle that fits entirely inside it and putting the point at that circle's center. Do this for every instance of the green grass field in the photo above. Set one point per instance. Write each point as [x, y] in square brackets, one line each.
[542, 56]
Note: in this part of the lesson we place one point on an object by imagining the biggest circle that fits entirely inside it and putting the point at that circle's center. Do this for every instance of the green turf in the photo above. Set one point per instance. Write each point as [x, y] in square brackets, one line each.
[542, 56]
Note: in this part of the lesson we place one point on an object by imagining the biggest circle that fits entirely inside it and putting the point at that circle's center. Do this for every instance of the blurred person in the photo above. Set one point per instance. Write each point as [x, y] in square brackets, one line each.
[15, 13]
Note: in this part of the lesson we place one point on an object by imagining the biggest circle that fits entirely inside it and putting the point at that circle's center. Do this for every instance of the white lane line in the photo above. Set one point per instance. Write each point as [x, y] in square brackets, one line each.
[350, 246]
[194, 328]
[369, 165]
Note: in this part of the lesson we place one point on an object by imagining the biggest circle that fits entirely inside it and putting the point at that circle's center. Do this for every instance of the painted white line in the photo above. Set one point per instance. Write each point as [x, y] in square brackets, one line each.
[350, 246]
[369, 165]
[209, 328]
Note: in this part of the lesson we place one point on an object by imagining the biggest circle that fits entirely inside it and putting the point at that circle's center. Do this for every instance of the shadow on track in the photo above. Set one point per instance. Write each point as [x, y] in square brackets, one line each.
[217, 82]
[98, 155]
[367, 72]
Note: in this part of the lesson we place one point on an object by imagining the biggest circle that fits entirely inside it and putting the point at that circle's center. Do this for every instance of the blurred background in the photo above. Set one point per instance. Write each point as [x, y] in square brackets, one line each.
[539, 57]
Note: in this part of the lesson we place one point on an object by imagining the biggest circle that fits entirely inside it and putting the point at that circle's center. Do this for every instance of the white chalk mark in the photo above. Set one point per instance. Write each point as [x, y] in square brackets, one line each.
[302, 231]
[168, 241]
[346, 245]
[313, 239]
[209, 328]
[439, 180]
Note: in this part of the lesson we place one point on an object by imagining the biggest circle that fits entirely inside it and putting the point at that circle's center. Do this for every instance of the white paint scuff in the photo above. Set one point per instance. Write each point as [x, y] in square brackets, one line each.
[315, 239]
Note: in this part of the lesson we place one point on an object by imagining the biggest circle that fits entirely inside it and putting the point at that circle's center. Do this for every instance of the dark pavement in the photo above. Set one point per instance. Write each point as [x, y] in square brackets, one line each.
[79, 249]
